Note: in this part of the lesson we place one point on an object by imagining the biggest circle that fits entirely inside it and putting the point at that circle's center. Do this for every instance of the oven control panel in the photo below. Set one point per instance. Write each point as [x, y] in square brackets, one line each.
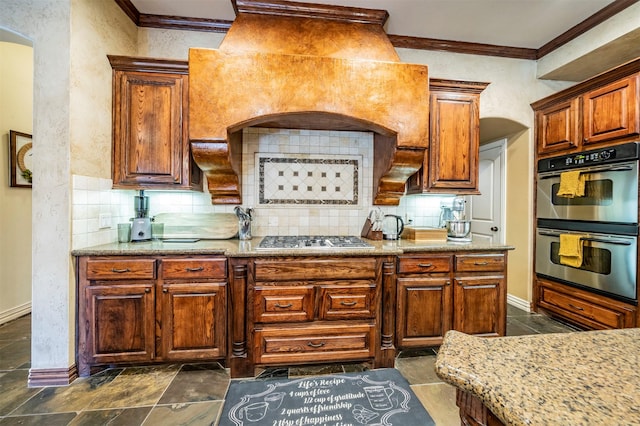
[614, 154]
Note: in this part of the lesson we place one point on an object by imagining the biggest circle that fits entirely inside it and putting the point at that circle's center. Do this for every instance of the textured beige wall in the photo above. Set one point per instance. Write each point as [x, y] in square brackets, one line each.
[99, 28]
[519, 220]
[16, 93]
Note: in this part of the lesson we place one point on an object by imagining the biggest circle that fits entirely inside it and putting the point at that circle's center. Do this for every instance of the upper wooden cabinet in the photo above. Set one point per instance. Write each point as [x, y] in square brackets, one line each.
[558, 126]
[611, 112]
[150, 113]
[601, 110]
[451, 161]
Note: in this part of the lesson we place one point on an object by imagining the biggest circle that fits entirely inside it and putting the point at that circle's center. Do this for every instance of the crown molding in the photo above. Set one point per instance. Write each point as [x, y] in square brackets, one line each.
[368, 16]
[312, 10]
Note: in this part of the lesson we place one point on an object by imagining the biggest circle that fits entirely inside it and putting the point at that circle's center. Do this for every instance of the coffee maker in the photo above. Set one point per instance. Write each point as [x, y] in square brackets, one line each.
[141, 226]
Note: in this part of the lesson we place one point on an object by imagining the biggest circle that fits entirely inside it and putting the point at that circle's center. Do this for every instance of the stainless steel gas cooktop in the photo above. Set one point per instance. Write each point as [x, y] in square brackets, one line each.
[311, 242]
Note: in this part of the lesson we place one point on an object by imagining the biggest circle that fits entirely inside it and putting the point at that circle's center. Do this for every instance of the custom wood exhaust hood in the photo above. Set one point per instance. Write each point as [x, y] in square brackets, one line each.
[306, 66]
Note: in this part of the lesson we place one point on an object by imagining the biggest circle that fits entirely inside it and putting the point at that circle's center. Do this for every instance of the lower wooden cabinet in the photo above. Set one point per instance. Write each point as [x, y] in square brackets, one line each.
[585, 309]
[440, 292]
[150, 309]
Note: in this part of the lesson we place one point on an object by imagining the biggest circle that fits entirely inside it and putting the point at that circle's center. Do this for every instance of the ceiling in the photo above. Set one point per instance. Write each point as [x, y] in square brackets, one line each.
[513, 23]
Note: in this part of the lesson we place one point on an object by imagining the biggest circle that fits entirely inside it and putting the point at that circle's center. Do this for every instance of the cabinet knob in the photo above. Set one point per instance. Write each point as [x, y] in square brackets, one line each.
[164, 290]
[147, 290]
[494, 228]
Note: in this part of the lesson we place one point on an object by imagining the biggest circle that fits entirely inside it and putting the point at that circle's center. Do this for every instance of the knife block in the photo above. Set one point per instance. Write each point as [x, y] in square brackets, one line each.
[368, 233]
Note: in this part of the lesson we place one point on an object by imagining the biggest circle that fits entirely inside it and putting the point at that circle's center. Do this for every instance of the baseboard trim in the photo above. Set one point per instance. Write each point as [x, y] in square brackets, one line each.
[15, 312]
[518, 303]
[52, 376]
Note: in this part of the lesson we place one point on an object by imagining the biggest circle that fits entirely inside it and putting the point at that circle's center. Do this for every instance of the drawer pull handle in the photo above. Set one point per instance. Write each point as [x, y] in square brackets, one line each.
[425, 265]
[315, 345]
[120, 271]
[198, 269]
[481, 263]
[576, 307]
[348, 303]
[288, 305]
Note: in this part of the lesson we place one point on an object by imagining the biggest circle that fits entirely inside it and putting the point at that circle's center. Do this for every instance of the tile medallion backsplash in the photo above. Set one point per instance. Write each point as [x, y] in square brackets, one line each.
[336, 203]
[299, 179]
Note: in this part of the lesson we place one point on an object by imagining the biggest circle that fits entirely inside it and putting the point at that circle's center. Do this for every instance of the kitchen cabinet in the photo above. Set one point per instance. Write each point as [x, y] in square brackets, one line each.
[310, 310]
[611, 112]
[150, 309]
[150, 124]
[557, 127]
[585, 309]
[597, 112]
[437, 293]
[451, 161]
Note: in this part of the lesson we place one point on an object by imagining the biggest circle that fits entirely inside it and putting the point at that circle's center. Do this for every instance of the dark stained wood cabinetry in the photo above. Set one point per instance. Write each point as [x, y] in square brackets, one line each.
[585, 309]
[150, 115]
[451, 161]
[557, 126]
[592, 114]
[312, 310]
[437, 293]
[148, 309]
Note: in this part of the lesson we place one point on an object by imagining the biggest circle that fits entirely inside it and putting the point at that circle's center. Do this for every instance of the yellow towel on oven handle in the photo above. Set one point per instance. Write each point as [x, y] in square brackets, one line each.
[570, 250]
[571, 184]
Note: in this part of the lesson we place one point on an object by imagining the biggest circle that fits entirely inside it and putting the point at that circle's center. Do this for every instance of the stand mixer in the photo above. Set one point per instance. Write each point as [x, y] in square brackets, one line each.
[453, 218]
[141, 224]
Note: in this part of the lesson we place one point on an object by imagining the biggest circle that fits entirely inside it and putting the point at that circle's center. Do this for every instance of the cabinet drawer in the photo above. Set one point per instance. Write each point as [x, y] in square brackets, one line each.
[315, 343]
[479, 262]
[583, 311]
[315, 269]
[194, 268]
[424, 264]
[118, 269]
[283, 303]
[347, 302]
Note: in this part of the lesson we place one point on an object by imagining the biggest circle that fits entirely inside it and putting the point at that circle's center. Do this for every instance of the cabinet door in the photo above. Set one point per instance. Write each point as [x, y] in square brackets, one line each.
[557, 127]
[479, 304]
[193, 321]
[149, 140]
[424, 311]
[120, 323]
[611, 112]
[453, 151]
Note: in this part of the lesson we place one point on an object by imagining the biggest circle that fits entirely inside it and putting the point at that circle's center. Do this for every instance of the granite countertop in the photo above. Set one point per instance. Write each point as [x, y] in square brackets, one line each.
[579, 378]
[238, 248]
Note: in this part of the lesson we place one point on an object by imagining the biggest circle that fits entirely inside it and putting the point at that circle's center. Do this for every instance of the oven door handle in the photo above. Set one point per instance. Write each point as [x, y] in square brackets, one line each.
[592, 239]
[549, 175]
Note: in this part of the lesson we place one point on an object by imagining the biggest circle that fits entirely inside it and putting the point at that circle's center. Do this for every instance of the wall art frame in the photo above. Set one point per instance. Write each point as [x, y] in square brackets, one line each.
[20, 158]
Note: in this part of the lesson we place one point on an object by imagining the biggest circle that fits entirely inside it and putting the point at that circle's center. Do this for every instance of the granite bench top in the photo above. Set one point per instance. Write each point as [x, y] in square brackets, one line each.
[248, 248]
[578, 378]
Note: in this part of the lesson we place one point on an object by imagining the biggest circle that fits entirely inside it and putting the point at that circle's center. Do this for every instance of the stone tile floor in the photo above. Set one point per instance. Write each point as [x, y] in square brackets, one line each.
[190, 394]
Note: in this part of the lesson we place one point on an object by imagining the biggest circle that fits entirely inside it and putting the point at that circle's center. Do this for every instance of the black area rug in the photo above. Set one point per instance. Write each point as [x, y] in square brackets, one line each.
[373, 398]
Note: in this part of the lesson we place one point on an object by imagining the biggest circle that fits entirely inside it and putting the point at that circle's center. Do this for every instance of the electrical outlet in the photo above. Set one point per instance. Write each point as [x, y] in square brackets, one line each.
[104, 220]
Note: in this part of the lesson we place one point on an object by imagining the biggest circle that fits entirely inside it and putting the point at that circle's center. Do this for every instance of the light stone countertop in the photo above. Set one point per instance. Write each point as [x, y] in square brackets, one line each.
[579, 378]
[238, 248]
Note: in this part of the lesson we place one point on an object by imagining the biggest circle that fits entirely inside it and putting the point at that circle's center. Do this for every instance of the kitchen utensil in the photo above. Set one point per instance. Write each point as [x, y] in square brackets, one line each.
[458, 228]
[392, 227]
[244, 222]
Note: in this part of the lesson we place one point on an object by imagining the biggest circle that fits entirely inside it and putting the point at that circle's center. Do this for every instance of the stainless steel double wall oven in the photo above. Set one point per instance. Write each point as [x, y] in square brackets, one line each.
[606, 218]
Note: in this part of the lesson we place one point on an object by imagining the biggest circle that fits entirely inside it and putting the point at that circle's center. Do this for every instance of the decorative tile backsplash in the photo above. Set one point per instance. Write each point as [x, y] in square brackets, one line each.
[300, 179]
[93, 197]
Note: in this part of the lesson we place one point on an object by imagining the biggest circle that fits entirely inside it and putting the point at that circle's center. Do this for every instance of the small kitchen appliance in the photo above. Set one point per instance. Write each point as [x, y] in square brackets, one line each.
[392, 227]
[141, 223]
[458, 227]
